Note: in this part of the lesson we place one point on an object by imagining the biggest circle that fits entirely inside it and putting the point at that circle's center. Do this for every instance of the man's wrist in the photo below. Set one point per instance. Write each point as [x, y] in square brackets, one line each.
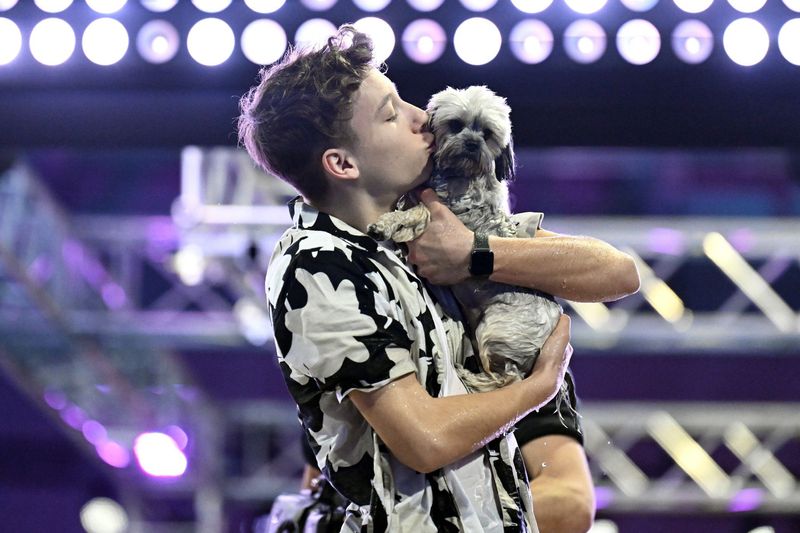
[481, 263]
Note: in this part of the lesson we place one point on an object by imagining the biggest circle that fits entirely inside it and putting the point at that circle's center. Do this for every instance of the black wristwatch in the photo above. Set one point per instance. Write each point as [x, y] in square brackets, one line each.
[481, 262]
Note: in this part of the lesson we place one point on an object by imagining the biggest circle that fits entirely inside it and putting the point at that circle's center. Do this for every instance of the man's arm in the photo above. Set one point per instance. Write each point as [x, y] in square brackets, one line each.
[427, 433]
[581, 269]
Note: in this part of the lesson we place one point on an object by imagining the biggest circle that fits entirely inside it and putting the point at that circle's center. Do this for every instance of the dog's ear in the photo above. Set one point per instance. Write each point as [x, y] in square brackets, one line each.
[504, 165]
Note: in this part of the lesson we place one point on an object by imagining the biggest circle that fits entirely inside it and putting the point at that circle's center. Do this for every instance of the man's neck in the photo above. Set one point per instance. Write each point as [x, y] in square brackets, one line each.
[358, 209]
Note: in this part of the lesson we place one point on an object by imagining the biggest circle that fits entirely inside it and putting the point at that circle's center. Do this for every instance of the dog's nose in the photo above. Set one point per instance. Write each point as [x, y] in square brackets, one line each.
[471, 146]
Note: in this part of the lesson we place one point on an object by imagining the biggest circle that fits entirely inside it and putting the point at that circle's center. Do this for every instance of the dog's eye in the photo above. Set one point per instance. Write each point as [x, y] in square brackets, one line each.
[487, 134]
[455, 125]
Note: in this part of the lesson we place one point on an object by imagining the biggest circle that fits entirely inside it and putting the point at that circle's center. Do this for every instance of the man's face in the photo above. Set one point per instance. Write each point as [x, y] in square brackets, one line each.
[393, 150]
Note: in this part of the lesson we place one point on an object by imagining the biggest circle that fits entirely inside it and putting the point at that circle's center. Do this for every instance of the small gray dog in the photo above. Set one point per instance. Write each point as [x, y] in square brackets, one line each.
[474, 158]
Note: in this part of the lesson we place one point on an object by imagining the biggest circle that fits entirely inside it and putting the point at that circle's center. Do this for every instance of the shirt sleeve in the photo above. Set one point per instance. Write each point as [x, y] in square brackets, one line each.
[527, 223]
[334, 325]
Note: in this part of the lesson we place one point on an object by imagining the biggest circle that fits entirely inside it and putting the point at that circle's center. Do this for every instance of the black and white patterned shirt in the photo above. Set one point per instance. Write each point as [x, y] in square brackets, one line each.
[348, 314]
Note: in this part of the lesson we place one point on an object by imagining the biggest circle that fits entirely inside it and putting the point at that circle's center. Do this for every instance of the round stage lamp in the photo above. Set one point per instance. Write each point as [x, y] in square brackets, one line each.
[265, 6]
[5, 5]
[210, 42]
[477, 41]
[531, 6]
[371, 5]
[586, 7]
[639, 5]
[746, 42]
[425, 5]
[211, 6]
[52, 41]
[158, 455]
[424, 41]
[638, 42]
[105, 41]
[794, 5]
[747, 6]
[158, 41]
[478, 5]
[318, 5]
[694, 6]
[789, 41]
[159, 6]
[585, 41]
[51, 6]
[313, 33]
[104, 515]
[106, 7]
[263, 41]
[692, 41]
[10, 41]
[531, 41]
[381, 34]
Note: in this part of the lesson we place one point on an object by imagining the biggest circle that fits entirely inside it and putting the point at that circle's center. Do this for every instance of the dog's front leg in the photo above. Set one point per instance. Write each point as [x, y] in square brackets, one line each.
[401, 226]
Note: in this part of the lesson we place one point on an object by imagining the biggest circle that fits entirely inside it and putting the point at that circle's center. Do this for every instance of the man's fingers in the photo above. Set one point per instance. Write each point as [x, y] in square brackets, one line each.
[429, 197]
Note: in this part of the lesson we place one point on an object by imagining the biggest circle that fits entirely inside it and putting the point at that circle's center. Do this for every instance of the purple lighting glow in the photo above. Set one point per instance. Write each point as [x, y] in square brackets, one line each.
[113, 454]
[746, 500]
[666, 241]
[159, 455]
[603, 497]
[55, 399]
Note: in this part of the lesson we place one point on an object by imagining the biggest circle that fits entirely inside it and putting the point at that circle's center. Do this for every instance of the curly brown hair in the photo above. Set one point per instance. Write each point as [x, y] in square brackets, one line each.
[302, 106]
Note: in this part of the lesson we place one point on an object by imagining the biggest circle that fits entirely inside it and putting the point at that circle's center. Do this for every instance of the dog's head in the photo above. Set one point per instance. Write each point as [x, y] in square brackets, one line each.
[473, 133]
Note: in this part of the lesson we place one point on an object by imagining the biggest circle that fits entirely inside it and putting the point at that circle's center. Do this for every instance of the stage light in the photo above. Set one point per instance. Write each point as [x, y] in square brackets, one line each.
[254, 324]
[586, 7]
[313, 33]
[424, 41]
[794, 5]
[425, 5]
[263, 41]
[211, 6]
[371, 5]
[94, 432]
[746, 41]
[638, 42]
[52, 6]
[531, 6]
[639, 5]
[584, 41]
[692, 41]
[693, 6]
[10, 41]
[478, 5]
[747, 6]
[789, 41]
[159, 6]
[178, 435]
[113, 453]
[103, 515]
[52, 41]
[381, 34]
[190, 264]
[477, 41]
[158, 41]
[105, 41]
[210, 42]
[158, 455]
[265, 6]
[531, 41]
[106, 7]
[319, 5]
[5, 5]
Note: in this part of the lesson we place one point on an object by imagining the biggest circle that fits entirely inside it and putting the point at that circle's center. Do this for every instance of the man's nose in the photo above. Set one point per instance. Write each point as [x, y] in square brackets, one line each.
[420, 119]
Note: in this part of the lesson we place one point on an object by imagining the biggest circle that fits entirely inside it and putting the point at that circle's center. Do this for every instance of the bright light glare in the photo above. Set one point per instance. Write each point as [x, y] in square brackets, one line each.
[371, 5]
[585, 41]
[638, 41]
[531, 41]
[746, 41]
[477, 41]
[313, 33]
[105, 41]
[190, 264]
[211, 6]
[586, 7]
[747, 6]
[254, 324]
[381, 34]
[158, 41]
[51, 6]
[789, 41]
[159, 455]
[694, 6]
[478, 5]
[424, 41]
[106, 7]
[52, 41]
[159, 6]
[211, 42]
[7, 4]
[794, 5]
[10, 41]
[319, 5]
[263, 41]
[265, 6]
[532, 6]
[639, 5]
[103, 515]
[692, 41]
[425, 5]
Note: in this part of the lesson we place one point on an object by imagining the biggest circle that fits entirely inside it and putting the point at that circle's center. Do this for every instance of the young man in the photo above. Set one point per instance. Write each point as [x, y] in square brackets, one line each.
[367, 351]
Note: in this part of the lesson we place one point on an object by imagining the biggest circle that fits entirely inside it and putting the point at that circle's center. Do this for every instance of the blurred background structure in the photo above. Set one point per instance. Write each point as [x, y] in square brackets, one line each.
[138, 382]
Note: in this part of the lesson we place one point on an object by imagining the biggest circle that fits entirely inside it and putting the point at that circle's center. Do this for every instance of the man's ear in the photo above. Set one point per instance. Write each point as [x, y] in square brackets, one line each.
[340, 163]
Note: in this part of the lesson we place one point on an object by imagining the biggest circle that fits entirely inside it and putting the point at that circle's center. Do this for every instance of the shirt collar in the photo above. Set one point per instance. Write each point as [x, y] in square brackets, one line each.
[305, 216]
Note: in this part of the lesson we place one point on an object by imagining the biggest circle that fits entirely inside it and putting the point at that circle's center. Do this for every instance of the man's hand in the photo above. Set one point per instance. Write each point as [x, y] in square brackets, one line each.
[554, 357]
[441, 254]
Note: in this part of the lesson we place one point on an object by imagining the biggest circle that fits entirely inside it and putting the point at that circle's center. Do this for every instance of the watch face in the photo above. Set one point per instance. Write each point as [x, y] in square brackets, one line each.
[481, 262]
